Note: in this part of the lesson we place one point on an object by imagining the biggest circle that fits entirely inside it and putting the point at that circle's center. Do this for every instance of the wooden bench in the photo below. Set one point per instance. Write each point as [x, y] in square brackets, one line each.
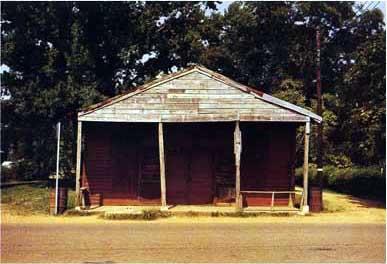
[273, 193]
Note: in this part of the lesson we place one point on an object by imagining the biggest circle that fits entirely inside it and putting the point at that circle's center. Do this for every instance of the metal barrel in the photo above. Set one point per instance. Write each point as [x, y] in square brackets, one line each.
[315, 199]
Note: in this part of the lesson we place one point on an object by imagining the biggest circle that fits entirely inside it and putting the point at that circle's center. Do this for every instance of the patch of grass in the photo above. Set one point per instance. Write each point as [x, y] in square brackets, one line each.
[26, 199]
[335, 202]
[247, 214]
[73, 212]
[192, 214]
[154, 214]
[333, 206]
[71, 199]
[226, 214]
[121, 216]
[143, 215]
[29, 199]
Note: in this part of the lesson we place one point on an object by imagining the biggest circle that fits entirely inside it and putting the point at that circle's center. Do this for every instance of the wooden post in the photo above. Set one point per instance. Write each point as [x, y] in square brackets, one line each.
[162, 168]
[237, 152]
[78, 165]
[305, 207]
[290, 204]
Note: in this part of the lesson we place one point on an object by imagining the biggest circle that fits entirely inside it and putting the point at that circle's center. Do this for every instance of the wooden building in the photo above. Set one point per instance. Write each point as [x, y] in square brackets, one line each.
[192, 137]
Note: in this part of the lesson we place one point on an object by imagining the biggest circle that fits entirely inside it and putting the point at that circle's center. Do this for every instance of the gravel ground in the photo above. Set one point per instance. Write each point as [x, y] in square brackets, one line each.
[192, 242]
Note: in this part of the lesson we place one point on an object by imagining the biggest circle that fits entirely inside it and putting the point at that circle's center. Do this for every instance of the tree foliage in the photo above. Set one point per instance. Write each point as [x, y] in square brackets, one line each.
[66, 55]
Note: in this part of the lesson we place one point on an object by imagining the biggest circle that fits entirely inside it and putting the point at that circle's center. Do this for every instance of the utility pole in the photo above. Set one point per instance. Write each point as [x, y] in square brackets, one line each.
[319, 111]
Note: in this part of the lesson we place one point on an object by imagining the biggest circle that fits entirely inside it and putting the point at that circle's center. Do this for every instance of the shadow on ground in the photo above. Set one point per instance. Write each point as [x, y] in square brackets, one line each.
[365, 203]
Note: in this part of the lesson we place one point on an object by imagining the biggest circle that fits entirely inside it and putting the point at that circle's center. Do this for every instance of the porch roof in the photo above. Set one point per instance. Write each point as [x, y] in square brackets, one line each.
[195, 94]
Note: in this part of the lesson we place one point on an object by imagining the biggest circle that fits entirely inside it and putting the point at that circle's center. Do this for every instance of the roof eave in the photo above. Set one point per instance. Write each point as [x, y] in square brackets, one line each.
[287, 105]
[261, 95]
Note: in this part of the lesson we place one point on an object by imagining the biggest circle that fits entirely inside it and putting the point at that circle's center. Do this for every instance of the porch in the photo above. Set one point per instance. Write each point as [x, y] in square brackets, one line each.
[173, 165]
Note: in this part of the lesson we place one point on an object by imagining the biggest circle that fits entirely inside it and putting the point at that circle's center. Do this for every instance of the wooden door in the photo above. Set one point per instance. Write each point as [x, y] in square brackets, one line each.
[189, 164]
[201, 177]
[148, 184]
[121, 182]
[98, 160]
[176, 176]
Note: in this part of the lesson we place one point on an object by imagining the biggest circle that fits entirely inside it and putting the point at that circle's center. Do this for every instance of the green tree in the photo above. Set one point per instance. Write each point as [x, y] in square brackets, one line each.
[66, 55]
[362, 93]
[62, 57]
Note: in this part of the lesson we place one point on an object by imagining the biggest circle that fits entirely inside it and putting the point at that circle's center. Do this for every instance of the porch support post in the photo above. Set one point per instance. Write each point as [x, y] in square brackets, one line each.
[305, 206]
[162, 168]
[78, 165]
[237, 152]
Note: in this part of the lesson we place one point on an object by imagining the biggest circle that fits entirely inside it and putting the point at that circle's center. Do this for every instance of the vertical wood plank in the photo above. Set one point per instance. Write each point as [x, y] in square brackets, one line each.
[237, 152]
[140, 147]
[306, 166]
[78, 165]
[162, 167]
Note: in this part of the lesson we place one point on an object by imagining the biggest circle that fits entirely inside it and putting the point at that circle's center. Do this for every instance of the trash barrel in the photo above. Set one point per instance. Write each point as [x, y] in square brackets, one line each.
[62, 198]
[315, 200]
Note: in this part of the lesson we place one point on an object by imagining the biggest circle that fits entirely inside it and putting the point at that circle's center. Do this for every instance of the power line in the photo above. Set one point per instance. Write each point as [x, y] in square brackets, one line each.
[376, 4]
[364, 9]
[368, 6]
[359, 12]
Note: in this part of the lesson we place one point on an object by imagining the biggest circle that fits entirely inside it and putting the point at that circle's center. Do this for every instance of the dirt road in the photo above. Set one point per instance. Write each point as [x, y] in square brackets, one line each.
[192, 242]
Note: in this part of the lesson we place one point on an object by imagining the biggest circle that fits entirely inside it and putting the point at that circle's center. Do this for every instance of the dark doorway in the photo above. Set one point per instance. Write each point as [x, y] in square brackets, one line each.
[178, 146]
[177, 180]
[190, 152]
[201, 177]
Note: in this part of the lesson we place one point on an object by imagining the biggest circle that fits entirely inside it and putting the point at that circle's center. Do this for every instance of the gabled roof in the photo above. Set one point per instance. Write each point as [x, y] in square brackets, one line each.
[213, 75]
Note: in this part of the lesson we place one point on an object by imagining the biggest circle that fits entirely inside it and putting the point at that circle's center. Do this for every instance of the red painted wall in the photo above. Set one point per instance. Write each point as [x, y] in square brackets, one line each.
[121, 162]
[193, 154]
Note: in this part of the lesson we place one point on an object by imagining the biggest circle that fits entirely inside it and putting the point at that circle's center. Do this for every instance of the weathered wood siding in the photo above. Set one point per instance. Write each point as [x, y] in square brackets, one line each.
[194, 97]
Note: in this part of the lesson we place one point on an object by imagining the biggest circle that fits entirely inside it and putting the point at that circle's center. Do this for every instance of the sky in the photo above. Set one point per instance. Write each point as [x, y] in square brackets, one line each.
[382, 6]
[376, 4]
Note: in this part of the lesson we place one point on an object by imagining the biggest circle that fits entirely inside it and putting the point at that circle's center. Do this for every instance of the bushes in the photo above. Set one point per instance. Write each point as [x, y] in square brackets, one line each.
[26, 170]
[8, 174]
[22, 170]
[361, 181]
